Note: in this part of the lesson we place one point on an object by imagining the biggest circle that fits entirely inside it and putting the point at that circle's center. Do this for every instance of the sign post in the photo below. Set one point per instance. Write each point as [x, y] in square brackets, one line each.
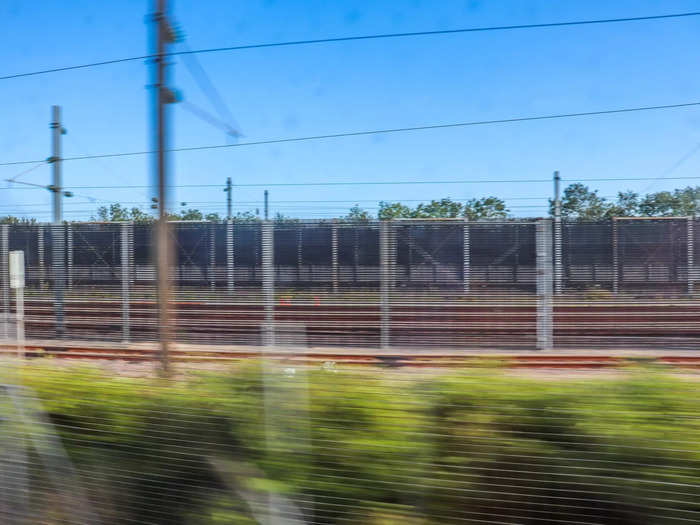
[17, 283]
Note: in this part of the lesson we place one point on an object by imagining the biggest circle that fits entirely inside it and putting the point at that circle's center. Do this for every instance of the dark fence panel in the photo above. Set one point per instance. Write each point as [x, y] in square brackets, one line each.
[621, 254]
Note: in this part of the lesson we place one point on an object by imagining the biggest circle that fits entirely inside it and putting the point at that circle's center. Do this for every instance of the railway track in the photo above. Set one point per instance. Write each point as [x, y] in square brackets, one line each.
[505, 326]
[186, 353]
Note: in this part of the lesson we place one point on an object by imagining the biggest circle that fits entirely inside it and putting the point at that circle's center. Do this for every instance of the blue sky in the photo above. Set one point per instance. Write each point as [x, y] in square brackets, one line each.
[329, 88]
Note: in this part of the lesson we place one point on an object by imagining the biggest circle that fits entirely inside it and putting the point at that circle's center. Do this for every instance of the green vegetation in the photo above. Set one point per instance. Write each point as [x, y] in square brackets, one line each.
[579, 202]
[383, 448]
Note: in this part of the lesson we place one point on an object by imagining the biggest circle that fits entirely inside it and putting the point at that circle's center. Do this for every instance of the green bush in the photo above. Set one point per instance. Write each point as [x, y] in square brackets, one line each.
[380, 448]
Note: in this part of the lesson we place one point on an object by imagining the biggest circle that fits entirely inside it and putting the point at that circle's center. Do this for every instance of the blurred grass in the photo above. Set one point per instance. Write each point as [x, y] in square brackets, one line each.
[373, 447]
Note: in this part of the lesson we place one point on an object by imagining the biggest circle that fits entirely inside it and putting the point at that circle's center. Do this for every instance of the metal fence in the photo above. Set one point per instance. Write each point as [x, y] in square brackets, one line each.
[380, 283]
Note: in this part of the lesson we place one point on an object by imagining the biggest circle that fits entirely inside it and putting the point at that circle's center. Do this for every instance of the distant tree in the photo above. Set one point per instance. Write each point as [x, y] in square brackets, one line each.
[280, 218]
[112, 213]
[679, 202]
[579, 202]
[627, 205]
[393, 210]
[485, 208]
[473, 209]
[245, 216]
[189, 215]
[141, 217]
[10, 219]
[442, 209]
[213, 217]
[118, 213]
[357, 214]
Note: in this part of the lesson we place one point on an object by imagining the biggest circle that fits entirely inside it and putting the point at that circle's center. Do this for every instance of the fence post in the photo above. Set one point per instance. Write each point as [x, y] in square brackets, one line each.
[691, 253]
[615, 259]
[126, 277]
[229, 255]
[334, 256]
[385, 260]
[557, 235]
[543, 241]
[69, 252]
[40, 252]
[212, 255]
[268, 282]
[58, 260]
[4, 269]
[558, 270]
[466, 256]
[132, 249]
[393, 253]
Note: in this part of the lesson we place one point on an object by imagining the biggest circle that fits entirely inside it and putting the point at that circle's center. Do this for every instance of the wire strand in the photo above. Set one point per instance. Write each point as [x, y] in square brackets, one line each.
[357, 38]
[376, 132]
[373, 183]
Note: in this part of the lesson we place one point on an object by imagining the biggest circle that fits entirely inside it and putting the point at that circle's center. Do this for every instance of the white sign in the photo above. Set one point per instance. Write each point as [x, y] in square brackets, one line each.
[17, 269]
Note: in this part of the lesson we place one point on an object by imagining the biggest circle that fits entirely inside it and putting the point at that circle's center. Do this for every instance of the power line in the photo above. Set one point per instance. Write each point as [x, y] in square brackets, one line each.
[25, 172]
[376, 132]
[207, 87]
[358, 38]
[258, 202]
[389, 183]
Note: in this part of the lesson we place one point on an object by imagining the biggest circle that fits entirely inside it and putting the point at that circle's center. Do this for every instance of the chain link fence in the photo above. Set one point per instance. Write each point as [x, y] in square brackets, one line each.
[373, 284]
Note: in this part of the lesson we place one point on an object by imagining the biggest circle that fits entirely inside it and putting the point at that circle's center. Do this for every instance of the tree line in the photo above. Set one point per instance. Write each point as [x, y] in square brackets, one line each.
[578, 202]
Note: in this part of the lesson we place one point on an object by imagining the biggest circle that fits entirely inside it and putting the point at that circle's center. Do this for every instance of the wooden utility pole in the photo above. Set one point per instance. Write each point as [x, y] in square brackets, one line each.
[163, 35]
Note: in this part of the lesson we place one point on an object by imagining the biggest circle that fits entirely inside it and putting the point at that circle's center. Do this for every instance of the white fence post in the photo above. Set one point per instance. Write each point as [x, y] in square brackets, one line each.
[4, 270]
[385, 281]
[212, 255]
[334, 256]
[58, 246]
[543, 241]
[69, 253]
[558, 270]
[466, 257]
[40, 252]
[125, 241]
[229, 255]
[691, 253]
[615, 257]
[268, 282]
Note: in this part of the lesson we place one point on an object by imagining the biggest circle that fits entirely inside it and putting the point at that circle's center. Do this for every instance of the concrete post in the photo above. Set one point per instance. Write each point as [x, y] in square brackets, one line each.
[615, 257]
[385, 280]
[125, 241]
[58, 247]
[268, 282]
[229, 255]
[691, 253]
[558, 274]
[40, 252]
[466, 257]
[299, 252]
[69, 253]
[212, 255]
[334, 256]
[5, 277]
[543, 243]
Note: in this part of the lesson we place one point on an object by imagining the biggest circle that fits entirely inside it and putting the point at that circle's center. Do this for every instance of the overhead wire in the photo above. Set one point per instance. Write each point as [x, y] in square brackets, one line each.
[376, 132]
[374, 183]
[673, 167]
[207, 87]
[26, 172]
[358, 38]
